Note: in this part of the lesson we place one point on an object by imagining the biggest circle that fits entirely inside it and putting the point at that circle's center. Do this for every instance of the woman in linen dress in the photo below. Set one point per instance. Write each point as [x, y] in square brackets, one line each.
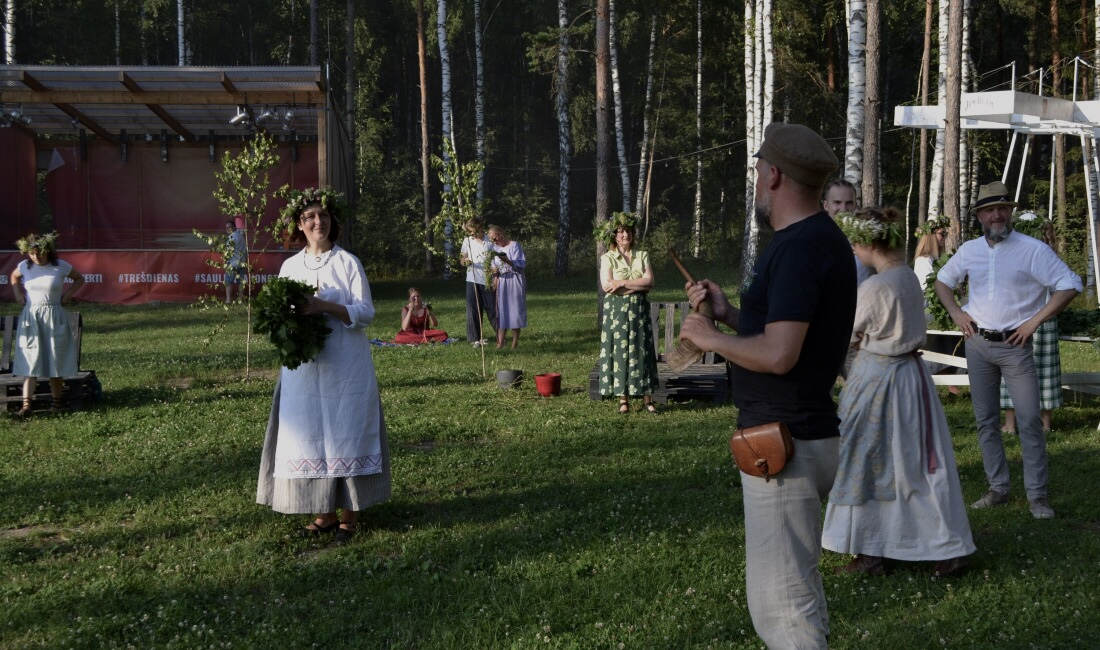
[326, 447]
[417, 319]
[509, 268]
[628, 360]
[896, 493]
[46, 335]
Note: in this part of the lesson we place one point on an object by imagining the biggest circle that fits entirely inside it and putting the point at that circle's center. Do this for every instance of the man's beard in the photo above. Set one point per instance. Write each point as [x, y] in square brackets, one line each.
[999, 234]
[763, 216]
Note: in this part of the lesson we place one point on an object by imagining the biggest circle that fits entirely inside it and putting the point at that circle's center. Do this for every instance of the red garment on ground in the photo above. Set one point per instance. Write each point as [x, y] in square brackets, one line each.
[418, 332]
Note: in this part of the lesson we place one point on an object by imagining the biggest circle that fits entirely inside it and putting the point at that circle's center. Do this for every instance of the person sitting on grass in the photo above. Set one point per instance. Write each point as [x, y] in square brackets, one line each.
[416, 317]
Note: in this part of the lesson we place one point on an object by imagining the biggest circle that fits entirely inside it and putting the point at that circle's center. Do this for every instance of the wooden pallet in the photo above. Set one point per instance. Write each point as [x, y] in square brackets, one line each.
[706, 379]
[78, 391]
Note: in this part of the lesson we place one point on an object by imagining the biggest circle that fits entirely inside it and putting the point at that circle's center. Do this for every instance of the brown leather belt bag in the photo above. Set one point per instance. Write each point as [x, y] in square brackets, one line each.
[762, 451]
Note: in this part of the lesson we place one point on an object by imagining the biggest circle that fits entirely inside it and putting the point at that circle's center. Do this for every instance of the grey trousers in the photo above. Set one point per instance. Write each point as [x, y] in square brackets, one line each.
[987, 363]
[784, 589]
[479, 300]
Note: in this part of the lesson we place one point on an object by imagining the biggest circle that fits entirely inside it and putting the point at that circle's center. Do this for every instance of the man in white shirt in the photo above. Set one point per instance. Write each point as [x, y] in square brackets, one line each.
[479, 300]
[1009, 275]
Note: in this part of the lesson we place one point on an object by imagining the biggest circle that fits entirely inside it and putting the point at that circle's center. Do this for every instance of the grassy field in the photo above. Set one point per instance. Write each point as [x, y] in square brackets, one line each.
[516, 522]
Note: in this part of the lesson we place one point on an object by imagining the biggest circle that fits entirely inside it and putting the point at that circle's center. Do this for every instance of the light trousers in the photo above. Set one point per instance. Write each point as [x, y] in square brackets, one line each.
[987, 362]
[784, 589]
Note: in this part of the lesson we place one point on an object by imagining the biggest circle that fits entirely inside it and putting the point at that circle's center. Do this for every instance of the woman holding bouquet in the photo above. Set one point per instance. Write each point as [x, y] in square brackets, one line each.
[326, 450]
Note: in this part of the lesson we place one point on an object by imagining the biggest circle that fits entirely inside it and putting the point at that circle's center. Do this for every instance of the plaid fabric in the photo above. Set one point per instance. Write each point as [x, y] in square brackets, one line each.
[1048, 365]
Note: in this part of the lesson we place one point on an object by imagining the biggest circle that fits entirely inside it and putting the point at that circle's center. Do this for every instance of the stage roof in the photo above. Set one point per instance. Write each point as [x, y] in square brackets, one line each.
[192, 103]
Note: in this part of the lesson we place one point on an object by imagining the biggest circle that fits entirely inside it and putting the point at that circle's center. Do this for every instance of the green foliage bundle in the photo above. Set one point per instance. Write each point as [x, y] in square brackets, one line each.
[941, 320]
[298, 338]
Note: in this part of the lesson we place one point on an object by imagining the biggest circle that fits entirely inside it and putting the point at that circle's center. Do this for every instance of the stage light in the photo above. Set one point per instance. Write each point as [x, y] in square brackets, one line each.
[11, 116]
[265, 116]
[288, 119]
[241, 118]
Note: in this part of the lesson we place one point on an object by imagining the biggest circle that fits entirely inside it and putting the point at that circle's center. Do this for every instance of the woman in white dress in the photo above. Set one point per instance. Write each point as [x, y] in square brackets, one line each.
[326, 449]
[46, 335]
[897, 493]
[509, 269]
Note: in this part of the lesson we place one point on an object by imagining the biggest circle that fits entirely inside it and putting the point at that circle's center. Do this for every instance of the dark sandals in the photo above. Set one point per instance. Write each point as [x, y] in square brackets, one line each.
[624, 406]
[344, 535]
[316, 530]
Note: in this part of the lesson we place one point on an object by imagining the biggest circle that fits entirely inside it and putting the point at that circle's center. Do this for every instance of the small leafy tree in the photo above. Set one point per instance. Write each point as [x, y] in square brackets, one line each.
[242, 191]
[460, 204]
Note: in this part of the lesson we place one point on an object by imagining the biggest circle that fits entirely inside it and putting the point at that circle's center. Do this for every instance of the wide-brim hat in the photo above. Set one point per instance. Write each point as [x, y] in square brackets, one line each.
[991, 194]
[799, 152]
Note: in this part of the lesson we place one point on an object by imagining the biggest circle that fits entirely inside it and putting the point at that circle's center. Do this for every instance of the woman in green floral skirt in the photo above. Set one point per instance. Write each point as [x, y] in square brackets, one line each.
[628, 360]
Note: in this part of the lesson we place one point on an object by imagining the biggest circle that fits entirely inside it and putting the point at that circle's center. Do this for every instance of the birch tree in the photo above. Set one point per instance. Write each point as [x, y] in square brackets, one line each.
[966, 73]
[565, 142]
[759, 83]
[640, 208]
[857, 89]
[479, 100]
[935, 186]
[752, 142]
[620, 138]
[446, 124]
[697, 220]
[9, 31]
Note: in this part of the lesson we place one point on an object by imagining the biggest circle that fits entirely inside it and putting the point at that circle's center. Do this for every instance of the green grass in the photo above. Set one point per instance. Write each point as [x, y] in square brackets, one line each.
[516, 522]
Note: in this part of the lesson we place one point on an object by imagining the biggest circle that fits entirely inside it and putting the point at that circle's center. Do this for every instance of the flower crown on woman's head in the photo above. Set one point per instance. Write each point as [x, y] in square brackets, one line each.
[605, 232]
[298, 200]
[44, 243]
[865, 231]
[932, 225]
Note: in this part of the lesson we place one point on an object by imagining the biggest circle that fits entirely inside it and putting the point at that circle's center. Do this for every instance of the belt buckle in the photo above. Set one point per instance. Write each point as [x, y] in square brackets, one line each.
[991, 336]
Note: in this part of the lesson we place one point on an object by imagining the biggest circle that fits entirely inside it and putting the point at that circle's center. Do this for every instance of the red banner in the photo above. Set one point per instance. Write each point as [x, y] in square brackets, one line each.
[125, 277]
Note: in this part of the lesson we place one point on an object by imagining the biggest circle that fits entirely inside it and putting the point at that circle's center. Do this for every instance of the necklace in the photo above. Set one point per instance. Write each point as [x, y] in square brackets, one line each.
[321, 260]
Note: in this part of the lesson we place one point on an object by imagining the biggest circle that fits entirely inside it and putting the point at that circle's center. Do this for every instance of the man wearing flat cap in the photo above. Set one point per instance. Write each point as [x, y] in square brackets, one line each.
[792, 332]
[1011, 276]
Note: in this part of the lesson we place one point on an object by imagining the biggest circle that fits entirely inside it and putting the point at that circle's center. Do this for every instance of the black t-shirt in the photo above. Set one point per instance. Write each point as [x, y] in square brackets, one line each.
[806, 274]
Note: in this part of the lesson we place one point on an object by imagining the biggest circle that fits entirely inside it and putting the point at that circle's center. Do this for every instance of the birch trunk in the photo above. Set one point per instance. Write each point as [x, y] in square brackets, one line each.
[935, 186]
[639, 203]
[479, 101]
[697, 221]
[446, 122]
[182, 46]
[767, 106]
[752, 231]
[872, 105]
[9, 31]
[565, 143]
[620, 138]
[1095, 51]
[966, 78]
[425, 150]
[857, 90]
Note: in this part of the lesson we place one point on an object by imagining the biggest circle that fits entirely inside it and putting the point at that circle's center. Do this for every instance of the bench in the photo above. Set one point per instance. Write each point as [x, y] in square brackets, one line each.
[77, 390]
[708, 378]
